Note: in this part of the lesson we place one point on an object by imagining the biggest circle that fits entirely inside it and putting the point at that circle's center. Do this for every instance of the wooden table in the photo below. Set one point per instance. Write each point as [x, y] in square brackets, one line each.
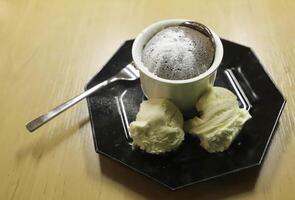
[50, 49]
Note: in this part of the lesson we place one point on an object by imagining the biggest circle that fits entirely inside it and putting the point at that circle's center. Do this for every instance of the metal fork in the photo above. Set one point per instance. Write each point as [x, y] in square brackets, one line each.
[128, 73]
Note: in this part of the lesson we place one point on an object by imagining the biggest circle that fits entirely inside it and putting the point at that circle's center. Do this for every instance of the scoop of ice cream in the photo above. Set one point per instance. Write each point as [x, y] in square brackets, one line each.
[158, 127]
[178, 52]
[221, 119]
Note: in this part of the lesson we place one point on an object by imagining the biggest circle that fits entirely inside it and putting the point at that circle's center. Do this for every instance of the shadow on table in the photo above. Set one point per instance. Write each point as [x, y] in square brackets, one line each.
[229, 185]
[46, 143]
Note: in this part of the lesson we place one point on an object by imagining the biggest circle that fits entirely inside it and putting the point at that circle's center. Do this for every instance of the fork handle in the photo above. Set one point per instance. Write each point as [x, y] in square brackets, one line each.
[43, 119]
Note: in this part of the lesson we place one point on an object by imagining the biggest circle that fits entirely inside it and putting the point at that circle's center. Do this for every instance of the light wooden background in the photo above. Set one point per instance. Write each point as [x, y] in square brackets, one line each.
[50, 49]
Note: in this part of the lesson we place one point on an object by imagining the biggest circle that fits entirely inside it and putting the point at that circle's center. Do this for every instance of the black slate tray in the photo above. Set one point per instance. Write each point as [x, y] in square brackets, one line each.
[240, 71]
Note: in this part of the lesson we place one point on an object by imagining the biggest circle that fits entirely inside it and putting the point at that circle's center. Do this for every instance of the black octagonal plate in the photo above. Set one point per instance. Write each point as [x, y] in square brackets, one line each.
[113, 107]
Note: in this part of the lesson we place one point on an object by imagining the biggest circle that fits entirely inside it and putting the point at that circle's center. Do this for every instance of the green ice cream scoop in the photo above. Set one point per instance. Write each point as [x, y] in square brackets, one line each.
[220, 122]
[158, 127]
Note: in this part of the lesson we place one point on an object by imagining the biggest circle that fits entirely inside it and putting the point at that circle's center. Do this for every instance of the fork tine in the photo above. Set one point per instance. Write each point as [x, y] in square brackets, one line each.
[133, 70]
[130, 71]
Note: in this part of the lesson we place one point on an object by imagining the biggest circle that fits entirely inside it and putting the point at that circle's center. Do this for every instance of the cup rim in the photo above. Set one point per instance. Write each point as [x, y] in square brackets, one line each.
[150, 31]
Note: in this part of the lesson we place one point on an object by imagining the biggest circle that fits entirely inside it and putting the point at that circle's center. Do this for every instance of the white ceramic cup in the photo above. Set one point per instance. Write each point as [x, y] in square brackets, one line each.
[184, 93]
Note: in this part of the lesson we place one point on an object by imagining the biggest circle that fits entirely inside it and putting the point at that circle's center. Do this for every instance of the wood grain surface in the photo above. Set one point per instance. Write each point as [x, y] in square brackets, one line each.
[50, 49]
